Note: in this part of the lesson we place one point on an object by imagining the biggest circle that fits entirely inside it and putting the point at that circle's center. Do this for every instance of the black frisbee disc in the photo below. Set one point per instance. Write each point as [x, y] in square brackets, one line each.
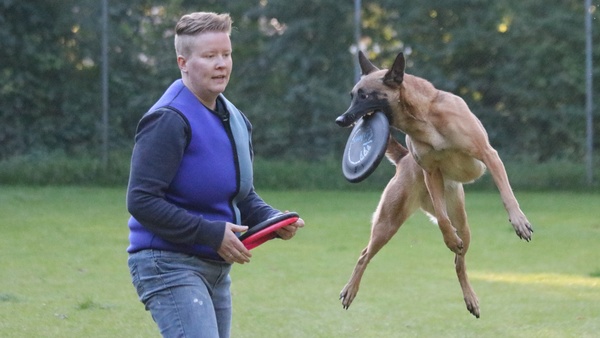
[365, 147]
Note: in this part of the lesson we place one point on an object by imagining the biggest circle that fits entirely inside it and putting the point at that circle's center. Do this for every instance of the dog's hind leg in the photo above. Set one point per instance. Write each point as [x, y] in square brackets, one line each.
[469, 295]
[456, 209]
[398, 202]
[455, 199]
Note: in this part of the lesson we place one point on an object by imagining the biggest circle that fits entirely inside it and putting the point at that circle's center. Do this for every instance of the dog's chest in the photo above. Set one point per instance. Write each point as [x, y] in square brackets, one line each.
[453, 163]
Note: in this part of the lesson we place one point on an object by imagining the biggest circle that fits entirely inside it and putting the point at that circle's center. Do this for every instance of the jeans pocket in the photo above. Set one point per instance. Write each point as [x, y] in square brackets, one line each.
[135, 276]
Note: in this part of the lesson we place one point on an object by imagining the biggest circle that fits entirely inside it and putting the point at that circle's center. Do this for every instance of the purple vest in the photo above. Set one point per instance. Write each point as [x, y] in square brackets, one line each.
[215, 172]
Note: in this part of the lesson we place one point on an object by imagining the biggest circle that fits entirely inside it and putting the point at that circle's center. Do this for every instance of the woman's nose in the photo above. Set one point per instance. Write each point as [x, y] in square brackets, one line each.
[221, 61]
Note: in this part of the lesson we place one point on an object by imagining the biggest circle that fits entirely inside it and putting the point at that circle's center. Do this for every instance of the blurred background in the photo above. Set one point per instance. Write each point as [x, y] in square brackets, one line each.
[76, 76]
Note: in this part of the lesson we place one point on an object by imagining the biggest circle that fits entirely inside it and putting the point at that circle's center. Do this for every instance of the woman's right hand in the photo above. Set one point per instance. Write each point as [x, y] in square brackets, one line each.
[232, 250]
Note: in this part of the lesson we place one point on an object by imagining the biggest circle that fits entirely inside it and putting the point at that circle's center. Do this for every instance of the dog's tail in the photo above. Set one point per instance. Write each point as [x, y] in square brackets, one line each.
[395, 150]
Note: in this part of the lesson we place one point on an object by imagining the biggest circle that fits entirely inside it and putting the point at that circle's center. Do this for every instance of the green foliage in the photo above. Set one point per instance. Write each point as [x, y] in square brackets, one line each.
[37, 67]
[60, 169]
[519, 64]
[326, 174]
[57, 168]
[551, 175]
[64, 270]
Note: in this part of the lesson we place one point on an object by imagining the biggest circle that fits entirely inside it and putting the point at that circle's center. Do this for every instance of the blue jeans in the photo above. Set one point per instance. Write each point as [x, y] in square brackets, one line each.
[186, 295]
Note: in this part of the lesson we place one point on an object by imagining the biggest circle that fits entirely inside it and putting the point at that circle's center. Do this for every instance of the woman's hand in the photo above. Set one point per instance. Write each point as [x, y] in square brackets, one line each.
[288, 231]
[232, 250]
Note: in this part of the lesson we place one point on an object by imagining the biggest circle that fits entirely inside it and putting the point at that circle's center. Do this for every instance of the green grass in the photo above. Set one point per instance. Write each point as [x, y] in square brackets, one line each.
[63, 270]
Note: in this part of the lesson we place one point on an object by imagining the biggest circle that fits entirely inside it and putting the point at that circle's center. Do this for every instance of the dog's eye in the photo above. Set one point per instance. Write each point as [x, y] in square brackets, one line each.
[364, 96]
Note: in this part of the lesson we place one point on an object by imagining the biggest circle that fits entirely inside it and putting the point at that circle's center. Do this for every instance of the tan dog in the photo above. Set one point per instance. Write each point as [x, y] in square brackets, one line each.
[448, 146]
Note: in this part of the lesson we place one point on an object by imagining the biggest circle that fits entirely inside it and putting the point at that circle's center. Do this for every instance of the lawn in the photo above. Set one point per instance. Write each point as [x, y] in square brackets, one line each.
[64, 273]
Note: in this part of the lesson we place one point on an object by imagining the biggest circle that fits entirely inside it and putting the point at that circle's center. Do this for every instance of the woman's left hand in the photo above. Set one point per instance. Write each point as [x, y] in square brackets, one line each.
[288, 231]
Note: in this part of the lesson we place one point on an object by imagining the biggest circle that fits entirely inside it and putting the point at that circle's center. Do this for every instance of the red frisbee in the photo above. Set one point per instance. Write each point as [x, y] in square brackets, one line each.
[265, 230]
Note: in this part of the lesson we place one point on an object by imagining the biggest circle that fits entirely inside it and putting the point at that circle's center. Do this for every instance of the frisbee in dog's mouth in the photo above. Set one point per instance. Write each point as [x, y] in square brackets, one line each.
[350, 120]
[360, 110]
[366, 146]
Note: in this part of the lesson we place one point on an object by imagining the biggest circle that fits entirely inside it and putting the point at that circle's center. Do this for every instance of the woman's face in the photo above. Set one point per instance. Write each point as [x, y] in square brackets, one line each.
[206, 70]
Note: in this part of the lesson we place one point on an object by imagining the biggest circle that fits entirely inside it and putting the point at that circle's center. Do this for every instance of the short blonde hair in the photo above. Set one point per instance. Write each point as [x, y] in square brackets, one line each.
[196, 23]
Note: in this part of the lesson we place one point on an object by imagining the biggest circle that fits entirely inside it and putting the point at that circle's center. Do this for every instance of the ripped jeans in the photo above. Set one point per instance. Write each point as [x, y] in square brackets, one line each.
[186, 295]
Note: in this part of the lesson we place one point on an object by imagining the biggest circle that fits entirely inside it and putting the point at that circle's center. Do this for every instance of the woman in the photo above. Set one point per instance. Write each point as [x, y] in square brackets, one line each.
[191, 189]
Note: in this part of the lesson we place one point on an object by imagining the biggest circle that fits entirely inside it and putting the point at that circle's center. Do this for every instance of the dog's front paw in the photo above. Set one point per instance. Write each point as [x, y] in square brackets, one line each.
[522, 227]
[347, 297]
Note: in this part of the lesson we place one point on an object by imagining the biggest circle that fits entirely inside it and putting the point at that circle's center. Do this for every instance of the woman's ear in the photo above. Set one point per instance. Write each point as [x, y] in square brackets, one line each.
[182, 63]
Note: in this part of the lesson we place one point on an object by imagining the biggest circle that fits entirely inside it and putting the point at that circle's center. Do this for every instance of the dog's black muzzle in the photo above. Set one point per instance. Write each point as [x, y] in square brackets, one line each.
[359, 109]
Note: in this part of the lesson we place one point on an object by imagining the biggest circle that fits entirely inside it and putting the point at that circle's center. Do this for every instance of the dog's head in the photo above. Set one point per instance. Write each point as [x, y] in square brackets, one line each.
[374, 90]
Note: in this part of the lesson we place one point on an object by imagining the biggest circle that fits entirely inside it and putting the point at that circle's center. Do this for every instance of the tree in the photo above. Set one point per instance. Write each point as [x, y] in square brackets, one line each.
[519, 64]
[39, 64]
[295, 82]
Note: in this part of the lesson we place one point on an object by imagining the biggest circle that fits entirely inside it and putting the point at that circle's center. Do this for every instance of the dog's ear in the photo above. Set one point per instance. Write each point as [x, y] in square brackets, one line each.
[366, 67]
[395, 75]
